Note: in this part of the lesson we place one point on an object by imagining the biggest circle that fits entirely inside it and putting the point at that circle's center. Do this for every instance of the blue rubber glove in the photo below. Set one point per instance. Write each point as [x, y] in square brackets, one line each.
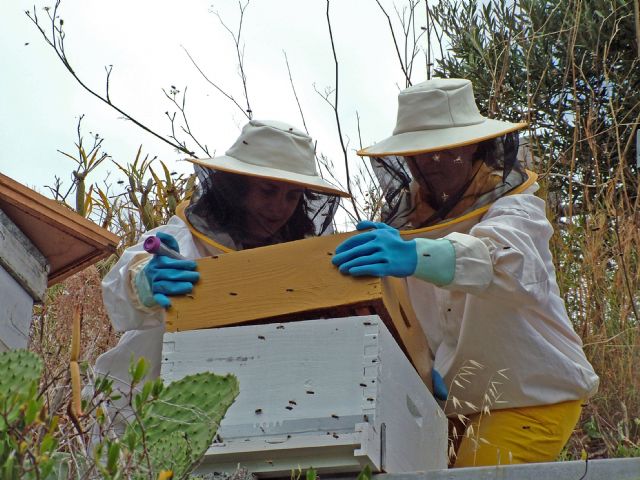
[439, 387]
[167, 276]
[380, 252]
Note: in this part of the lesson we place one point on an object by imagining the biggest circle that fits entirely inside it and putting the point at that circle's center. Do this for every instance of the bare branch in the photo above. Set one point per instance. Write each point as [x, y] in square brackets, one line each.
[215, 85]
[395, 44]
[239, 53]
[108, 69]
[337, 116]
[56, 41]
[428, 30]
[295, 94]
[182, 108]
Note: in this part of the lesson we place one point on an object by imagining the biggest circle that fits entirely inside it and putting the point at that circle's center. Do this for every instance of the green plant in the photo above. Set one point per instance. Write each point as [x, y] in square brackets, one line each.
[27, 433]
[173, 426]
[176, 424]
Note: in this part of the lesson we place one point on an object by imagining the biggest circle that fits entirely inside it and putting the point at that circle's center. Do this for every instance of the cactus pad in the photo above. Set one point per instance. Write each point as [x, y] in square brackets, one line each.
[21, 372]
[184, 419]
[173, 452]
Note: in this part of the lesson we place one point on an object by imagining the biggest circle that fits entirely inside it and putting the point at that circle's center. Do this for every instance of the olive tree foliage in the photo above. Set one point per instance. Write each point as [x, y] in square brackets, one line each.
[571, 68]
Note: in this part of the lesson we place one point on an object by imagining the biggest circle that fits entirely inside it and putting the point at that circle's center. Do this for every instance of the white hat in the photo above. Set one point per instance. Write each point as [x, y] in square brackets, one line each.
[437, 115]
[272, 150]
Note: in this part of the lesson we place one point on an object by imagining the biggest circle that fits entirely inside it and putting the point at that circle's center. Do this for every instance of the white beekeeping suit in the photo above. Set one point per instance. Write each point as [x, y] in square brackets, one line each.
[264, 190]
[462, 225]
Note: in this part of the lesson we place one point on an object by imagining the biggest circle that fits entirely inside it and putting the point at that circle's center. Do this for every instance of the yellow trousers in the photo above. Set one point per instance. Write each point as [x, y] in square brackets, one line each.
[518, 435]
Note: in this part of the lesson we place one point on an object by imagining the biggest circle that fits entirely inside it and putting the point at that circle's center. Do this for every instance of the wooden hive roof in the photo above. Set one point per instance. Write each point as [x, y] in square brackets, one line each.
[68, 241]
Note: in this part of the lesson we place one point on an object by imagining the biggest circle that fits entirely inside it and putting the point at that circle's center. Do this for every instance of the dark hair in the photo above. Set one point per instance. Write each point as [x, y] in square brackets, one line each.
[222, 200]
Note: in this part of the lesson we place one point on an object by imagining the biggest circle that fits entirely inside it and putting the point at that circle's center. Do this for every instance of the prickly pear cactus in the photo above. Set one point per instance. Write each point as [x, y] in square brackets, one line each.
[180, 424]
[21, 372]
[23, 412]
[173, 452]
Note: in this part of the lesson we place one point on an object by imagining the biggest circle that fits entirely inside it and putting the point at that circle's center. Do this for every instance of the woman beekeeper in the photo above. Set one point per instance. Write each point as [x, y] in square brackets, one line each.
[475, 254]
[264, 190]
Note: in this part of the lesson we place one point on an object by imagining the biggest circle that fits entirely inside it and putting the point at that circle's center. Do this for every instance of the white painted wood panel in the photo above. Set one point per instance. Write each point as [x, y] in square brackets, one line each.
[20, 258]
[16, 307]
[315, 390]
[416, 427]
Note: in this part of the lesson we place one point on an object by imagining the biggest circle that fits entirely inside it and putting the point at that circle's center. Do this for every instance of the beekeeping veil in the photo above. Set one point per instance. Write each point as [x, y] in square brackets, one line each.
[434, 116]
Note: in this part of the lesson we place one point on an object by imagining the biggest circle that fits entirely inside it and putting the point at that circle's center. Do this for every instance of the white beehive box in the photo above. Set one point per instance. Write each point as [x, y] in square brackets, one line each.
[23, 280]
[335, 394]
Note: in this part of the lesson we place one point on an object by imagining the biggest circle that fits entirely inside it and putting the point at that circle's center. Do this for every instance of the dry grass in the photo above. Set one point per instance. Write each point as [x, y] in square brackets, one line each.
[51, 328]
[597, 256]
[51, 339]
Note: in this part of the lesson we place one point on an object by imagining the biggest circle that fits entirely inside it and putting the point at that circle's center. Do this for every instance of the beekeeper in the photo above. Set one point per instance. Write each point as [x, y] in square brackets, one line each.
[264, 190]
[474, 250]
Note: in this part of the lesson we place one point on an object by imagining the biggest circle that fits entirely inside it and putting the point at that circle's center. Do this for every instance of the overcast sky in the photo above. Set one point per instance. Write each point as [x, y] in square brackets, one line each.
[145, 40]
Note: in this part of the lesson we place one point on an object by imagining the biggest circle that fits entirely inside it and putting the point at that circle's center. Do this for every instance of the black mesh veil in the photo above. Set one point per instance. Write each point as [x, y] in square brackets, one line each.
[216, 211]
[496, 171]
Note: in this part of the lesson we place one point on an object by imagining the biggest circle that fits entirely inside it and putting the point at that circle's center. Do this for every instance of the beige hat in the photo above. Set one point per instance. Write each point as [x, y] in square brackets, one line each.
[272, 150]
[437, 115]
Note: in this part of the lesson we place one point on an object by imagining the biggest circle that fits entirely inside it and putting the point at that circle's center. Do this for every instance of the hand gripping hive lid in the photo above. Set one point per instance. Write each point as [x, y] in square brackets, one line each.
[438, 114]
[273, 150]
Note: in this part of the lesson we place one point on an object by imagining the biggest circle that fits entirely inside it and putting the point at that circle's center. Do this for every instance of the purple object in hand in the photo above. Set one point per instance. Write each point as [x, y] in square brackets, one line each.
[154, 246]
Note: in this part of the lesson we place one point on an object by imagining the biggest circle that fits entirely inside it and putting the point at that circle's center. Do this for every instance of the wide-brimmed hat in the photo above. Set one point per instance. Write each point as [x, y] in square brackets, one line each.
[437, 115]
[275, 151]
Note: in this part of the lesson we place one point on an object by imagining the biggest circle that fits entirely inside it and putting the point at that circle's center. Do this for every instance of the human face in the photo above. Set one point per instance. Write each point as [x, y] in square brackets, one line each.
[268, 205]
[443, 173]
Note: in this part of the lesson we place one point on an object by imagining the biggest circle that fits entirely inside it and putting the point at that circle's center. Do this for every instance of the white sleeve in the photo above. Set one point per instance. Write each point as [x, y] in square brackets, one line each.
[119, 296]
[506, 255]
